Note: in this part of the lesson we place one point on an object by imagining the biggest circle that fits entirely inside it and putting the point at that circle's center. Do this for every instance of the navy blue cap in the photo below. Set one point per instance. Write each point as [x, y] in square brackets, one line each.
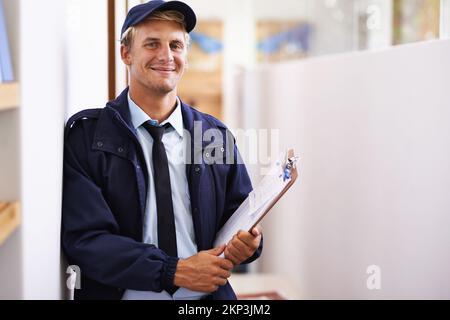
[140, 12]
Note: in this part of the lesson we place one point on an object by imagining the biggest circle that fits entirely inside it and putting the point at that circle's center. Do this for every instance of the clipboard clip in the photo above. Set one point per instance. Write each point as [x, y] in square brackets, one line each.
[291, 164]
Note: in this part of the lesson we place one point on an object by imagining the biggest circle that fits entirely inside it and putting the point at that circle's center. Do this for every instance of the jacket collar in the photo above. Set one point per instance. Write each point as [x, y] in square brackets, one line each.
[120, 105]
[116, 133]
[115, 128]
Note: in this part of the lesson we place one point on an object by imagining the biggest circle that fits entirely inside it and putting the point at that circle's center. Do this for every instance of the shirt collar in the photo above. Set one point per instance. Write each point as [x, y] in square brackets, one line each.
[139, 117]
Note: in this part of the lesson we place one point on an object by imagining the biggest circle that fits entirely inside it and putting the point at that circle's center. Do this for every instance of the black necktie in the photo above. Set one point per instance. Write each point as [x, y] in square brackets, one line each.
[167, 238]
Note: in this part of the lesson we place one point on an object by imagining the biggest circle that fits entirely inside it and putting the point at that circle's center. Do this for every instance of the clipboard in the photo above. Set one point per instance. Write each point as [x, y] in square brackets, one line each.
[262, 199]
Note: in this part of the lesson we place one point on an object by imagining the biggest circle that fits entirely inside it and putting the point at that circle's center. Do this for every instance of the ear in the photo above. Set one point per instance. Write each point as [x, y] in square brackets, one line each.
[125, 55]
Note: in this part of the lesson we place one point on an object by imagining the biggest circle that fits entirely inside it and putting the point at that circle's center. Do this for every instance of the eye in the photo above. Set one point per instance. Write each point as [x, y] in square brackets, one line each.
[177, 46]
[151, 44]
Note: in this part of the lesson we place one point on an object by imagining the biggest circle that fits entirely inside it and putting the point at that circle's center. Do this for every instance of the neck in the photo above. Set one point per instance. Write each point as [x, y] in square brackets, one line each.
[157, 106]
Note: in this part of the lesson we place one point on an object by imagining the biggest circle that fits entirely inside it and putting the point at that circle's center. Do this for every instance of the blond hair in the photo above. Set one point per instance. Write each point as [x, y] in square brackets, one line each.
[168, 15]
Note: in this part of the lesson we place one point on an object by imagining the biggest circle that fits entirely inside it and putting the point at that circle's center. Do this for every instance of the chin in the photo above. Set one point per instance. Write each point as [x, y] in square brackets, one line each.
[165, 89]
[161, 87]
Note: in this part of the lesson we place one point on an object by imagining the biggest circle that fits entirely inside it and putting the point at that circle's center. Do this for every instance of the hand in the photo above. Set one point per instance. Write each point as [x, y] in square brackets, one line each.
[243, 245]
[203, 272]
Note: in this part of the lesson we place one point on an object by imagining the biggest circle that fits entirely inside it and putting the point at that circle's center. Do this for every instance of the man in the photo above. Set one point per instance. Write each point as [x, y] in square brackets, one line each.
[140, 212]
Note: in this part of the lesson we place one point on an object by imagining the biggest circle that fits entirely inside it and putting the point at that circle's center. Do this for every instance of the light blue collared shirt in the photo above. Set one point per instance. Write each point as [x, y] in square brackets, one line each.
[173, 140]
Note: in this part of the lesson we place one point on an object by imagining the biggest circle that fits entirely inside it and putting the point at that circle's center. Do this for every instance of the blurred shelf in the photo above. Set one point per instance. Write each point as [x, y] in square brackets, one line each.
[9, 95]
[9, 219]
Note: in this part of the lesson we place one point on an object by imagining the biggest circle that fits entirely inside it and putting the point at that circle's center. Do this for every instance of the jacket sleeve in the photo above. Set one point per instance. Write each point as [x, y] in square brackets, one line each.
[90, 234]
[239, 187]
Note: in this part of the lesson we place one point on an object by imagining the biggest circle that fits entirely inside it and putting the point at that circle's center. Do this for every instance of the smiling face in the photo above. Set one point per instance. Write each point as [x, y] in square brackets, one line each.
[157, 56]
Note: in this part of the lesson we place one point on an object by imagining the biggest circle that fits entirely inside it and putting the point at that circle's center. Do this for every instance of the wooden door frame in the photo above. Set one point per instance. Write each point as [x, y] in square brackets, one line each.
[111, 49]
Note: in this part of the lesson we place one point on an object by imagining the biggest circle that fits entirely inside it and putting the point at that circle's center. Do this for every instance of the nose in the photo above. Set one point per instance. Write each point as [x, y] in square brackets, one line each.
[165, 54]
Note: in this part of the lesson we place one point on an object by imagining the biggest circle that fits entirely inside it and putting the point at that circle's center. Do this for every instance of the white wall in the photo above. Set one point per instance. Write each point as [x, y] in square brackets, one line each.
[372, 130]
[43, 84]
[87, 54]
[445, 19]
[60, 57]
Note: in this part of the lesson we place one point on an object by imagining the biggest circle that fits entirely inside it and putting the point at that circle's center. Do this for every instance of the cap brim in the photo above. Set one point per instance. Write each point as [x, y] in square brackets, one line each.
[189, 14]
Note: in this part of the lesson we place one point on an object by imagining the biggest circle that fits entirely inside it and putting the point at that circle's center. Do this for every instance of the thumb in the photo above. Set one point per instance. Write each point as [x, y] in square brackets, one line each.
[256, 231]
[216, 251]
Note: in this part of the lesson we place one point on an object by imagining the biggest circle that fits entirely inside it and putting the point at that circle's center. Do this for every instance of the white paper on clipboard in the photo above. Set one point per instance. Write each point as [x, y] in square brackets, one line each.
[259, 201]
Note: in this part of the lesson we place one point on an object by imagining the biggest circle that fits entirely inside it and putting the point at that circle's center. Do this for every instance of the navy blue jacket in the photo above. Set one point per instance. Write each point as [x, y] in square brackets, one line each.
[104, 195]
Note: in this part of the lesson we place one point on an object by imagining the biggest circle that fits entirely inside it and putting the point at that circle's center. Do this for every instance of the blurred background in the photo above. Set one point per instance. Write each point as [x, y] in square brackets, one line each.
[357, 87]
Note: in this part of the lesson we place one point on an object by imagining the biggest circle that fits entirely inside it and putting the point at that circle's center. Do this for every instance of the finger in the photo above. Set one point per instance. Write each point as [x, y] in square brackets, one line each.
[216, 251]
[248, 239]
[245, 236]
[240, 237]
[240, 248]
[223, 263]
[222, 273]
[220, 281]
[247, 246]
[256, 231]
[212, 288]
[238, 254]
[231, 257]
